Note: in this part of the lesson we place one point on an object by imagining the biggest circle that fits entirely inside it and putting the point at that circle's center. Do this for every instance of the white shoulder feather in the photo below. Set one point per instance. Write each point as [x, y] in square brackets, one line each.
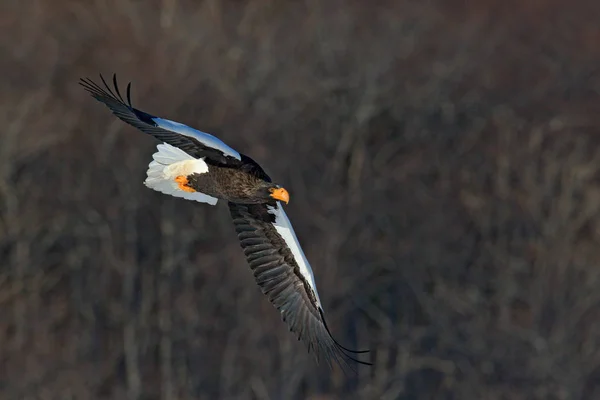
[283, 226]
[203, 137]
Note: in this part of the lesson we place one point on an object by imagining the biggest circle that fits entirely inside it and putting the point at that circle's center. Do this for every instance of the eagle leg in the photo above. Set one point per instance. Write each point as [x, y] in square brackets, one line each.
[182, 181]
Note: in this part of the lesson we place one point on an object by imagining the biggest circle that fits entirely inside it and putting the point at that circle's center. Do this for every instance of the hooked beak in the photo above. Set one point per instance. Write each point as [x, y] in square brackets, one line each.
[280, 194]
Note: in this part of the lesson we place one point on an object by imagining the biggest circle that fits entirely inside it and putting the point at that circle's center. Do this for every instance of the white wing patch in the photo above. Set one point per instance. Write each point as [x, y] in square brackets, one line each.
[284, 227]
[170, 162]
[203, 137]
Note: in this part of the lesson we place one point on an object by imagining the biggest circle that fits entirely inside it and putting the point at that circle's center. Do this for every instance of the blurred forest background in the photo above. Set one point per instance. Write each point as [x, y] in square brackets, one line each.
[443, 161]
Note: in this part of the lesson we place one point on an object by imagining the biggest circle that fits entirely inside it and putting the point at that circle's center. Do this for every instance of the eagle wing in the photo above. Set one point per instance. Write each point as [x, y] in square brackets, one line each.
[284, 275]
[194, 142]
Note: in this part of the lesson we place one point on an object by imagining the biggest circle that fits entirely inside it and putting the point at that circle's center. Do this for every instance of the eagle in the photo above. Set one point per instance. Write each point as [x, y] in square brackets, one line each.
[197, 166]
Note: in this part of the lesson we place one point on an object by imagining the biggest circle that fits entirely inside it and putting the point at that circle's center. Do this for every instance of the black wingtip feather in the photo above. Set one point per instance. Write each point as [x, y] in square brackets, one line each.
[342, 347]
[106, 86]
[129, 94]
[336, 342]
[117, 88]
[106, 93]
[96, 90]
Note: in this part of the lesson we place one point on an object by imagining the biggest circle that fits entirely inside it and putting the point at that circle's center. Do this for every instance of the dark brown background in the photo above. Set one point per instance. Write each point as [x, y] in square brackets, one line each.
[443, 161]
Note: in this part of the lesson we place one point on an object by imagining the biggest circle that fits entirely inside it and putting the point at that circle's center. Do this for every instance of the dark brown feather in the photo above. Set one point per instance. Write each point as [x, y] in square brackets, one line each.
[231, 184]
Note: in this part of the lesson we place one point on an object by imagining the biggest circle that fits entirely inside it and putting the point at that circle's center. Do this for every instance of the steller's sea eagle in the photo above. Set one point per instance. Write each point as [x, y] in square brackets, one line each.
[197, 166]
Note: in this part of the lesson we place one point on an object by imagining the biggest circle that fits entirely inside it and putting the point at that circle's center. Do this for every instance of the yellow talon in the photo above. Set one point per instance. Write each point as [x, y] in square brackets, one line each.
[182, 181]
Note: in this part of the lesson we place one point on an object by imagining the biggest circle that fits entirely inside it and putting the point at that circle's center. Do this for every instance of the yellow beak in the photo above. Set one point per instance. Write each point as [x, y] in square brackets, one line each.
[280, 194]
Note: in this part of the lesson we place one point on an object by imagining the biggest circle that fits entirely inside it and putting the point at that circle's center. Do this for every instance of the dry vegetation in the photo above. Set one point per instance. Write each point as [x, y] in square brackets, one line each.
[444, 164]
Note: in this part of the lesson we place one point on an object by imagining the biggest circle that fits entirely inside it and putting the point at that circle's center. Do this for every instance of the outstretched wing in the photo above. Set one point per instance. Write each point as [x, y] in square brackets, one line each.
[284, 275]
[195, 143]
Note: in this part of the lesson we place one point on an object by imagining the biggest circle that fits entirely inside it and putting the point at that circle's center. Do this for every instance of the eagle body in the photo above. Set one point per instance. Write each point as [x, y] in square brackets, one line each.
[197, 166]
[230, 184]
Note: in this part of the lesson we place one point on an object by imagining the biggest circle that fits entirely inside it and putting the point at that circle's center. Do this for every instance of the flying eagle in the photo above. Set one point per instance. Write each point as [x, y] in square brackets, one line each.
[197, 166]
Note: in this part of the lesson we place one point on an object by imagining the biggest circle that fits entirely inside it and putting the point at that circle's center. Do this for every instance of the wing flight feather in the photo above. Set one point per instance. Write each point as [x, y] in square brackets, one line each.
[194, 142]
[286, 285]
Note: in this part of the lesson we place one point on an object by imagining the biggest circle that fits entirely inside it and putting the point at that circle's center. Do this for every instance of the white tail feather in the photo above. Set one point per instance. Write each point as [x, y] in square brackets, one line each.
[170, 162]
